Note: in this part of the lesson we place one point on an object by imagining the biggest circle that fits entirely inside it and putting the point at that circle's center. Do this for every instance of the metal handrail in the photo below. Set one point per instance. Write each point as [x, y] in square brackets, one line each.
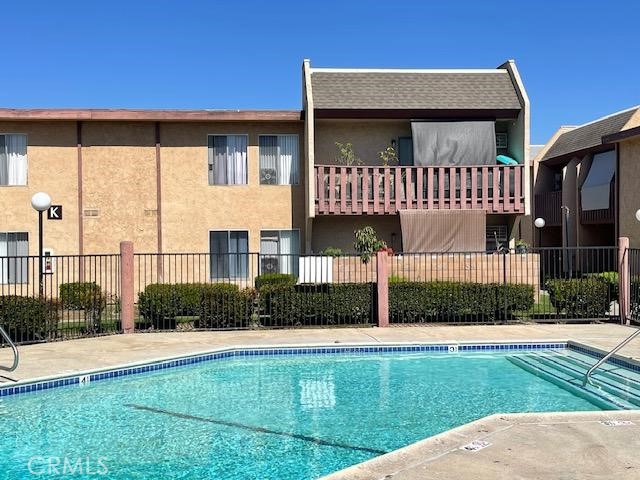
[608, 356]
[16, 355]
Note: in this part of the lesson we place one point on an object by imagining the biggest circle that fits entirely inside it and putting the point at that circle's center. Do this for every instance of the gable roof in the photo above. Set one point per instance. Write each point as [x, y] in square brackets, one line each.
[589, 135]
[413, 89]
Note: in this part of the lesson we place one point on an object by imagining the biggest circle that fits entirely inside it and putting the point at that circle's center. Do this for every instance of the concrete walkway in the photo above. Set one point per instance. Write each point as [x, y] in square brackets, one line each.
[524, 446]
[43, 360]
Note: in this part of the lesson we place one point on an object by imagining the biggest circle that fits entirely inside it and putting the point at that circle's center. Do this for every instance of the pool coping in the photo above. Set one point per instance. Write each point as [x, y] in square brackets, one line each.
[414, 458]
[448, 346]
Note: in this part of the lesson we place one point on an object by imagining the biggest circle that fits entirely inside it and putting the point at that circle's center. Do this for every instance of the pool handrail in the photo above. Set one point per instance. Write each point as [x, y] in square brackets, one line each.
[16, 354]
[613, 351]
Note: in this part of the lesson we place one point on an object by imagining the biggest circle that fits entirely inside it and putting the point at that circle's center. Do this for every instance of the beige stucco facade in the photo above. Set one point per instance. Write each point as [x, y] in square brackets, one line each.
[52, 167]
[120, 183]
[629, 156]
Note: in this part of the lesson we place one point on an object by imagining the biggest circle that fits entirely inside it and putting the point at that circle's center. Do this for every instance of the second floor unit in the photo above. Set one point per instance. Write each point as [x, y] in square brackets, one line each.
[586, 187]
[383, 140]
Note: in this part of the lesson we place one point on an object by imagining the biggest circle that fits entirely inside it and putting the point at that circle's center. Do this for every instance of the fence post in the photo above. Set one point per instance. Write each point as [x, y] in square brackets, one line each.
[624, 284]
[126, 286]
[382, 285]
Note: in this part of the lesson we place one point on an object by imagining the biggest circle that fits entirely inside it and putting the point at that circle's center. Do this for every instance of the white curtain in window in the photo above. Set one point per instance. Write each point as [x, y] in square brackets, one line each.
[4, 263]
[236, 159]
[288, 164]
[13, 159]
[289, 249]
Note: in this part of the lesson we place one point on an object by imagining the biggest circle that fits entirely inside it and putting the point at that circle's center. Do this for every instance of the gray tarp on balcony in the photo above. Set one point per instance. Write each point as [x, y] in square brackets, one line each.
[596, 188]
[443, 230]
[454, 143]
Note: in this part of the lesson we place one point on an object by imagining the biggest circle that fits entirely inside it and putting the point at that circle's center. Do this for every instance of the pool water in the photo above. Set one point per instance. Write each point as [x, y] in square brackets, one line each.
[281, 417]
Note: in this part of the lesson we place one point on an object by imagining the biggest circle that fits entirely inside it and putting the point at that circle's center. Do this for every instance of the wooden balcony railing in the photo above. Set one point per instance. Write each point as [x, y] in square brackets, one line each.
[386, 190]
[547, 206]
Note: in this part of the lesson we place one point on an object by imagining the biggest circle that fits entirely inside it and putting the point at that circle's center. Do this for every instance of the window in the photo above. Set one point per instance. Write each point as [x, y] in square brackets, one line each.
[279, 251]
[13, 159]
[229, 254]
[12, 269]
[227, 159]
[279, 163]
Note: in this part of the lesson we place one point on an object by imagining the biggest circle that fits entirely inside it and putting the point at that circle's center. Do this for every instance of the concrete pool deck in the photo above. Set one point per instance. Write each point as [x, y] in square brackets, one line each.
[523, 446]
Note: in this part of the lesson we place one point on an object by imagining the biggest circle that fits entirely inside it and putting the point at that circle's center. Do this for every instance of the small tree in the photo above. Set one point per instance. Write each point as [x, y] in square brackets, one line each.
[388, 156]
[367, 243]
[346, 155]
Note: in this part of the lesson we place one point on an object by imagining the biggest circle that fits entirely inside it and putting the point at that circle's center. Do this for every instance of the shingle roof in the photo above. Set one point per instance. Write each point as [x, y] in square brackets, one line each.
[419, 90]
[589, 135]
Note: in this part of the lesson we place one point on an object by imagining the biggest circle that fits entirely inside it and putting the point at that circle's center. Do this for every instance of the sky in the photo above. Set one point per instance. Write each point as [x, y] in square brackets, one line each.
[579, 60]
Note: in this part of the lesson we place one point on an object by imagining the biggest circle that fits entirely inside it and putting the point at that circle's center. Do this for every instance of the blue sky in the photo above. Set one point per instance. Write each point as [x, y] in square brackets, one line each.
[579, 59]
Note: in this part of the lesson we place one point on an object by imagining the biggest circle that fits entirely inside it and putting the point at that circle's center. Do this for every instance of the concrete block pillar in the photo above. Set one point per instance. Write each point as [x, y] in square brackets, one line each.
[382, 285]
[126, 286]
[624, 280]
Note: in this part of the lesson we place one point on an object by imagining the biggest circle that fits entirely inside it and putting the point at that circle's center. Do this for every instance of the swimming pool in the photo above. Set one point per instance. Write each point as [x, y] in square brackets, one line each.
[270, 415]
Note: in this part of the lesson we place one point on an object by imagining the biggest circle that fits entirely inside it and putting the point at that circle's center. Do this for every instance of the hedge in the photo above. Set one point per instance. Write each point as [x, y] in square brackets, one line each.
[275, 279]
[28, 319]
[611, 280]
[316, 304]
[85, 296]
[579, 298]
[412, 302]
[216, 305]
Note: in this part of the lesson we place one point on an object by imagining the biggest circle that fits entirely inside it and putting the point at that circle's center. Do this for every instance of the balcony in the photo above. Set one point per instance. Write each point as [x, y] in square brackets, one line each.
[368, 190]
[547, 206]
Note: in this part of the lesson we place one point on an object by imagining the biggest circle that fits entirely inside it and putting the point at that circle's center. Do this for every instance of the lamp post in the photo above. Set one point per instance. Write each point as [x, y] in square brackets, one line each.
[539, 223]
[41, 203]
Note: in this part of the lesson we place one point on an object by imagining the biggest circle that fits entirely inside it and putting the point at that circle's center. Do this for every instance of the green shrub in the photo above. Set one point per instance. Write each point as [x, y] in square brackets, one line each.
[611, 280]
[215, 305]
[332, 252]
[275, 279]
[367, 243]
[412, 302]
[579, 298]
[397, 279]
[85, 296]
[316, 304]
[224, 306]
[28, 319]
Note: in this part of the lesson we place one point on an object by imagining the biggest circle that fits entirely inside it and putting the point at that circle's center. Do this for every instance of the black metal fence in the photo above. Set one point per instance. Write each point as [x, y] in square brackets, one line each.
[192, 291]
[634, 274]
[76, 296]
[544, 284]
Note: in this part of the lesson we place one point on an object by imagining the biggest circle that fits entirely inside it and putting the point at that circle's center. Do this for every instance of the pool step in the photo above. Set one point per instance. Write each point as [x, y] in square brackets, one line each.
[567, 376]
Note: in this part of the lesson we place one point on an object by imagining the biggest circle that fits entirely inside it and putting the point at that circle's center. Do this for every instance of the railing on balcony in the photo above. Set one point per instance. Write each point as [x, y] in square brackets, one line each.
[372, 190]
[599, 217]
[547, 206]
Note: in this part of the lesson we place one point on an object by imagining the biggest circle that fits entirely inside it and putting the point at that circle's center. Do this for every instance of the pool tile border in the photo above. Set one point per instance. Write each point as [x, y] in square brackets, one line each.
[234, 352]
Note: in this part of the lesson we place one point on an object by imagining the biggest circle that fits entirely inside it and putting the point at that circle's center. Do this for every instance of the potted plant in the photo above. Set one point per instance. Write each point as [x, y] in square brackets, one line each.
[522, 246]
[367, 243]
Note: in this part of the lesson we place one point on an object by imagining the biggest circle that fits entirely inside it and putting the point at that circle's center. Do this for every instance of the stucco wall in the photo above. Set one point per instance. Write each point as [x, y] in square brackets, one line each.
[191, 207]
[52, 168]
[629, 154]
[119, 180]
[337, 231]
[368, 138]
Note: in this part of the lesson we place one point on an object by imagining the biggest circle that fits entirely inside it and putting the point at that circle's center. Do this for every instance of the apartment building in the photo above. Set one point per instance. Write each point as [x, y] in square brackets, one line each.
[410, 152]
[586, 182]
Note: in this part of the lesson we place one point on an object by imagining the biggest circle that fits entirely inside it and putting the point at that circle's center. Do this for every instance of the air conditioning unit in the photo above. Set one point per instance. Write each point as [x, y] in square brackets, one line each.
[268, 176]
[269, 265]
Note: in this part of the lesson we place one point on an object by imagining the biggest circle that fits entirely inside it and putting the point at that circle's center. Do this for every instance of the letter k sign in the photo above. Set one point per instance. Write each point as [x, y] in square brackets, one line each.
[54, 212]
